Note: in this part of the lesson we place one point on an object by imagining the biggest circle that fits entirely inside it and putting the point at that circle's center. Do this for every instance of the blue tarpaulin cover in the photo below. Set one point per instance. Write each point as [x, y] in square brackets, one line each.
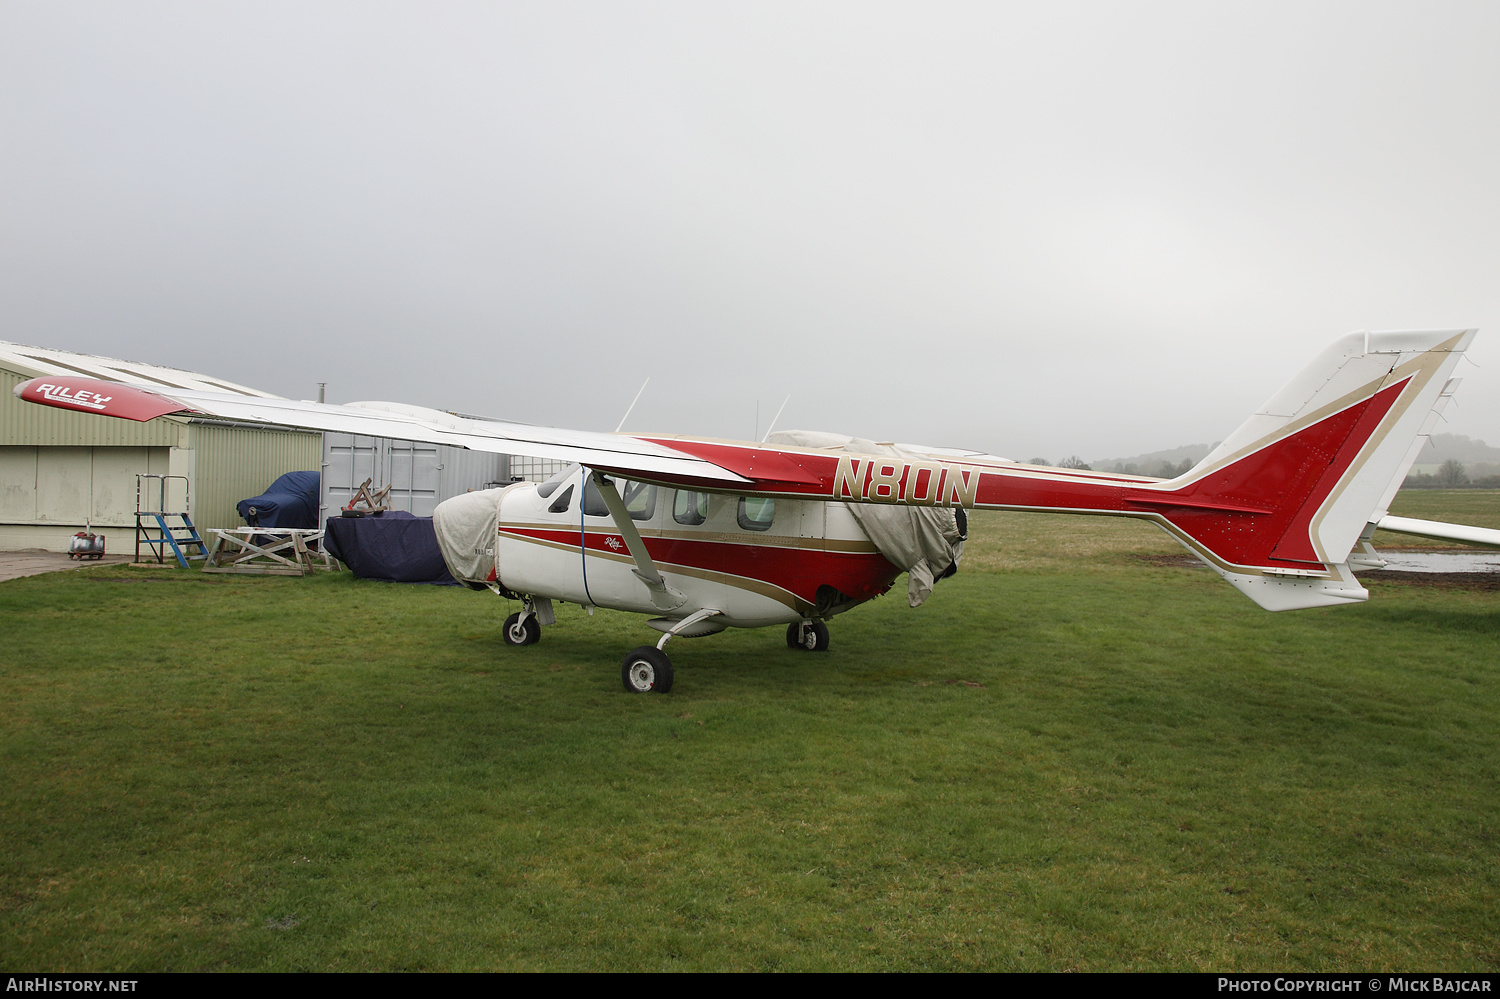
[291, 501]
[394, 546]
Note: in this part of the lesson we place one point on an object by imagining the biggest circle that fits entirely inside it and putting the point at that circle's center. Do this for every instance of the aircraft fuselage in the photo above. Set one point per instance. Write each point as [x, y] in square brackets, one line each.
[776, 565]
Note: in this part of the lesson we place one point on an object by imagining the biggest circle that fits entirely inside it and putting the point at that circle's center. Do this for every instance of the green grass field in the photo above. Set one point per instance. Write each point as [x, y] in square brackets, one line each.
[1071, 758]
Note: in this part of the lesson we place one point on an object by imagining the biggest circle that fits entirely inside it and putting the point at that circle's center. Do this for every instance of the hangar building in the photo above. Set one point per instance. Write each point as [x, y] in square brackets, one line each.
[61, 471]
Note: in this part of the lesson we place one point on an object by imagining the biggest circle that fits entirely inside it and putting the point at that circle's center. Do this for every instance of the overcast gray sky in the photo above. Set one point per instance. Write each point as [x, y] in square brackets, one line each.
[1036, 229]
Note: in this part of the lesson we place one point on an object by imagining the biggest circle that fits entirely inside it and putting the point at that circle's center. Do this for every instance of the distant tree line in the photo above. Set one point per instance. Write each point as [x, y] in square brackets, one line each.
[1451, 474]
[1073, 461]
[1161, 470]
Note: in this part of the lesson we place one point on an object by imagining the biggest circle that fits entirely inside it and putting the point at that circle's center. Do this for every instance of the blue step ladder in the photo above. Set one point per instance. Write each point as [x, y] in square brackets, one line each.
[159, 530]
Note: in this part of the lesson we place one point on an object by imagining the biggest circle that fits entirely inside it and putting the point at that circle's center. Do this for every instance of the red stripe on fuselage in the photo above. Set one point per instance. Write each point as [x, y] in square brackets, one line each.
[800, 571]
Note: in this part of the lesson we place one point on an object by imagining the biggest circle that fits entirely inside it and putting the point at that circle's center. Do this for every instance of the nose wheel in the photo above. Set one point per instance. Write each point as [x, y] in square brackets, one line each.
[646, 669]
[809, 636]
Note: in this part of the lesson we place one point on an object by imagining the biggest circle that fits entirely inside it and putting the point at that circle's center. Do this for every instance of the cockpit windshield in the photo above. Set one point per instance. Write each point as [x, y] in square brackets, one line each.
[550, 486]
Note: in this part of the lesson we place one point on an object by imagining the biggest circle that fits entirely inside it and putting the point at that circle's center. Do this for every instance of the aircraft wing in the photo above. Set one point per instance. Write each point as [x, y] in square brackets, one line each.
[809, 472]
[631, 456]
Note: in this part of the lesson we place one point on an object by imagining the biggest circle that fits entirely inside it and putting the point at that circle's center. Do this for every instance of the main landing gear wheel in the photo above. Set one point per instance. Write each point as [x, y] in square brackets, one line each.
[812, 637]
[645, 669]
[518, 632]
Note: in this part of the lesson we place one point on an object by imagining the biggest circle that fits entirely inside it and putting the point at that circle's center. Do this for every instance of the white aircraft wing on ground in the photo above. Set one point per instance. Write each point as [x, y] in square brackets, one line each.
[1440, 531]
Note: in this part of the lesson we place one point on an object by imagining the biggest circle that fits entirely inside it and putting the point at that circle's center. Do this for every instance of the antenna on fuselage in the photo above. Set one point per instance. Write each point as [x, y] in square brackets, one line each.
[776, 417]
[632, 404]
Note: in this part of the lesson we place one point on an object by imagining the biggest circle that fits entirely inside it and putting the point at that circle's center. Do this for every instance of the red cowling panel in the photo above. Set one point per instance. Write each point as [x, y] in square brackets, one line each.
[91, 395]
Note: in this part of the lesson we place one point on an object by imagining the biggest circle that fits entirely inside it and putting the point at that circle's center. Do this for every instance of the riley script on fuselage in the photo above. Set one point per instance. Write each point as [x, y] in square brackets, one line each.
[707, 534]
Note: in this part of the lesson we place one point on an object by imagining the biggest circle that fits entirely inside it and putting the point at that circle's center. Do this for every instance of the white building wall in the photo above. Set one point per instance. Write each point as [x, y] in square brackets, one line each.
[47, 494]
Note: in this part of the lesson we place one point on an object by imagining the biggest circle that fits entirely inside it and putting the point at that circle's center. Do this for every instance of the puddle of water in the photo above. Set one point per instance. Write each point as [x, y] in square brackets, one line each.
[1442, 561]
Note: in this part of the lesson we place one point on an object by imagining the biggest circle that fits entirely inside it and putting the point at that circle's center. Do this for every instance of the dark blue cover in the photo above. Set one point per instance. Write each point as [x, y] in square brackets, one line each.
[394, 546]
[291, 501]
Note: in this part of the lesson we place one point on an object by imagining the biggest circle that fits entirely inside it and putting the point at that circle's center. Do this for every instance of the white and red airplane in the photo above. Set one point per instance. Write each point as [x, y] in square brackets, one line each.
[709, 534]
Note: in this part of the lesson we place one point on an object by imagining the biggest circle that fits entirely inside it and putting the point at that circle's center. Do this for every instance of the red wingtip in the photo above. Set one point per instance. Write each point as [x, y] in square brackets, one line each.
[91, 395]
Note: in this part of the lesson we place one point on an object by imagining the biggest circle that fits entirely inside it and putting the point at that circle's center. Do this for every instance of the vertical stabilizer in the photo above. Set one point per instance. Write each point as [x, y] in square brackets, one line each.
[1278, 506]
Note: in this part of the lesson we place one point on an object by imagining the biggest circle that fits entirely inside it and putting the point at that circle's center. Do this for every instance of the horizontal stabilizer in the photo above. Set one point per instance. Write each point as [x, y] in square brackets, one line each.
[1440, 531]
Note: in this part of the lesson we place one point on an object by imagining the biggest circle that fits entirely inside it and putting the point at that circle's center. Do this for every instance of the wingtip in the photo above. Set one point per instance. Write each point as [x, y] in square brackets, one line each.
[98, 397]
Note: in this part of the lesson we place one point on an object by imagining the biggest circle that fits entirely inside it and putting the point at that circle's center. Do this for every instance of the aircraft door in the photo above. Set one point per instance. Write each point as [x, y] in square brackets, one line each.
[537, 549]
[610, 572]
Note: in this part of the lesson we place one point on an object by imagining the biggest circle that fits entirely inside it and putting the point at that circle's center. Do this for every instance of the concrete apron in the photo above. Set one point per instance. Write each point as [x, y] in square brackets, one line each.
[35, 561]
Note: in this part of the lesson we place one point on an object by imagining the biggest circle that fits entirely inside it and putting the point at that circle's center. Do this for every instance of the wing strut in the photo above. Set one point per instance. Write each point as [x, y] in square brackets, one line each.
[663, 596]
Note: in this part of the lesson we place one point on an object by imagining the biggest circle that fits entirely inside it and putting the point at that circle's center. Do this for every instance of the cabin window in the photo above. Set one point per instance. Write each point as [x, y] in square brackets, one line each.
[690, 508]
[640, 499]
[756, 513]
[550, 486]
[560, 505]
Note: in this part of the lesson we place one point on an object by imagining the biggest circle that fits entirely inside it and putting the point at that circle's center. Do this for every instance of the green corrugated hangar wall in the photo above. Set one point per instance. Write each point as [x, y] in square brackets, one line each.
[61, 470]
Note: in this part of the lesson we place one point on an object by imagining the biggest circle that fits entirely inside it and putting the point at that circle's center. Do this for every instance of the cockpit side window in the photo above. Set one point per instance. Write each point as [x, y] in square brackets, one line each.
[690, 508]
[640, 499]
[550, 486]
[563, 501]
[756, 513]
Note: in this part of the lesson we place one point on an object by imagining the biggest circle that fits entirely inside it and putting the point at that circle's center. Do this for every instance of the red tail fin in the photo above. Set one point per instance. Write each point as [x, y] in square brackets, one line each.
[1278, 507]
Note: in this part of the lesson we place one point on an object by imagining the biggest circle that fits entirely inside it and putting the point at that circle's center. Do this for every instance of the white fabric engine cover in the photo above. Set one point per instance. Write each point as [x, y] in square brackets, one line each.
[922, 540]
[466, 527]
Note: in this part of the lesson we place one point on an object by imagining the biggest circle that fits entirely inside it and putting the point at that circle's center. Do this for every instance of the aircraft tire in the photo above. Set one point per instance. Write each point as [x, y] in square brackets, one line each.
[646, 669]
[517, 633]
[814, 640]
